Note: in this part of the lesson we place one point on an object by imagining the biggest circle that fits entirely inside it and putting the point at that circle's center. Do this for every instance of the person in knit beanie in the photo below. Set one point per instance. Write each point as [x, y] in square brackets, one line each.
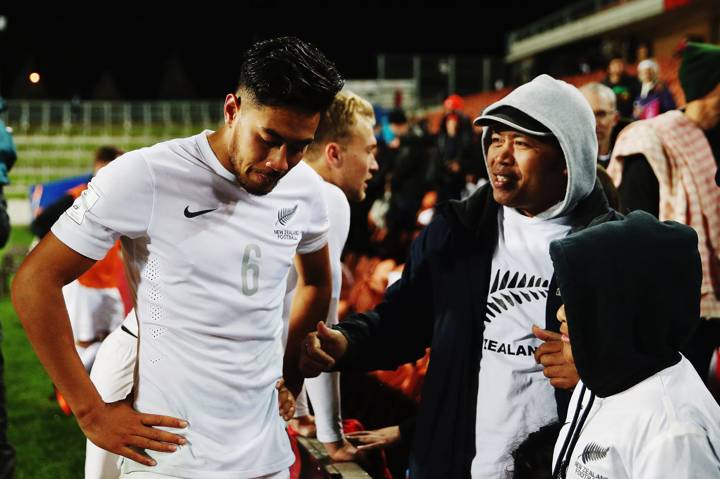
[700, 70]
[668, 166]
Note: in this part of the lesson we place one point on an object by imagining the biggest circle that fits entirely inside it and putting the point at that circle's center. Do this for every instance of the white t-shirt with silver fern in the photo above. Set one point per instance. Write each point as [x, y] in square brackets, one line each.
[209, 262]
[514, 398]
[665, 426]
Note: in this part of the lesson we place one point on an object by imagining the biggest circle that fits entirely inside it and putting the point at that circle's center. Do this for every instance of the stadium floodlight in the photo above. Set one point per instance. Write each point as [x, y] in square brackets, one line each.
[3, 23]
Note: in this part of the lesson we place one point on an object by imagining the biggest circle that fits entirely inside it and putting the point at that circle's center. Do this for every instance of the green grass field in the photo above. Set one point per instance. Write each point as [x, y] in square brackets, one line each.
[48, 443]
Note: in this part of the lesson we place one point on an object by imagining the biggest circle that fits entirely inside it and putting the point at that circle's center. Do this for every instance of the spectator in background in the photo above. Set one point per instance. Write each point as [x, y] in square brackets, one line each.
[454, 148]
[8, 156]
[642, 52]
[93, 300]
[625, 87]
[42, 223]
[603, 103]
[665, 166]
[409, 168]
[654, 97]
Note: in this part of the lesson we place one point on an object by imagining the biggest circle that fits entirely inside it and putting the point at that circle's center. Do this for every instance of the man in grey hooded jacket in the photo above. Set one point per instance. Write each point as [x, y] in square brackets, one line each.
[478, 288]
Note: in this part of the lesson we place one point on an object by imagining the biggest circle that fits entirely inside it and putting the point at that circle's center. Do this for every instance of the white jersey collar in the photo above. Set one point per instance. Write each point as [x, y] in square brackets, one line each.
[209, 156]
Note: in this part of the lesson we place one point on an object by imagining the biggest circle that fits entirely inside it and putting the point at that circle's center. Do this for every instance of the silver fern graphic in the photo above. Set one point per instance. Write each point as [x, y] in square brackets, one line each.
[508, 292]
[285, 214]
[593, 452]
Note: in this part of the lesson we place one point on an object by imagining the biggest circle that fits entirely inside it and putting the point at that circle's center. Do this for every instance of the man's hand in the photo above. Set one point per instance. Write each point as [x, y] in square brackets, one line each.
[377, 439]
[562, 374]
[341, 451]
[321, 349]
[286, 400]
[118, 428]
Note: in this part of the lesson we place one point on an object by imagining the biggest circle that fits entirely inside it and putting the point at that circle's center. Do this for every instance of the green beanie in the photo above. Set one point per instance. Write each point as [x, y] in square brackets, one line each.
[700, 70]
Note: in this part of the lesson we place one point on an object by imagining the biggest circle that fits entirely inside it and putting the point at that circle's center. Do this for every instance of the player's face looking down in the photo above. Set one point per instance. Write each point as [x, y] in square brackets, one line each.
[266, 141]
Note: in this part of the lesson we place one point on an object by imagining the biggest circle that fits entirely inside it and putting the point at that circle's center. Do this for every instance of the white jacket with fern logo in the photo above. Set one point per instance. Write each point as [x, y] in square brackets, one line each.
[667, 426]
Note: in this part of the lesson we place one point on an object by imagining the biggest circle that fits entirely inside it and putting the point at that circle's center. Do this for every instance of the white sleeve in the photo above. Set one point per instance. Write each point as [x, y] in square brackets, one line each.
[118, 202]
[682, 452]
[324, 390]
[324, 394]
[314, 236]
[302, 408]
[339, 217]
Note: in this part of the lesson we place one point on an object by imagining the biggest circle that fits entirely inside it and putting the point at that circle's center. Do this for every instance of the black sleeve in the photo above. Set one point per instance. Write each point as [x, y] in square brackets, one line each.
[407, 430]
[41, 225]
[639, 189]
[399, 329]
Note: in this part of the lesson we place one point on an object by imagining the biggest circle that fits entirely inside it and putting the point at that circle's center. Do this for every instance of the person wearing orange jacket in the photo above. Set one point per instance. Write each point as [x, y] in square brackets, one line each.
[93, 300]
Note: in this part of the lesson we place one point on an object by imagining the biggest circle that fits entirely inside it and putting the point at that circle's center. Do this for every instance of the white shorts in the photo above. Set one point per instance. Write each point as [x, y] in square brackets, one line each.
[114, 368]
[112, 375]
[93, 311]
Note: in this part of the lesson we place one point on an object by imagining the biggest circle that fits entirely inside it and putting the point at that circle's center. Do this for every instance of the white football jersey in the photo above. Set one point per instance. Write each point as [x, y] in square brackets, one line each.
[208, 262]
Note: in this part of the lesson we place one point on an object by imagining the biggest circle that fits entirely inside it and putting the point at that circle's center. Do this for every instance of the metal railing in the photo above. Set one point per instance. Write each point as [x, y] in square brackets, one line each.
[56, 139]
[92, 118]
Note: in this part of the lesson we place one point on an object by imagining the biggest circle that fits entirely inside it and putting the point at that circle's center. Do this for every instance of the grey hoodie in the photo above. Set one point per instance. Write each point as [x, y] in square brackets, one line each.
[563, 109]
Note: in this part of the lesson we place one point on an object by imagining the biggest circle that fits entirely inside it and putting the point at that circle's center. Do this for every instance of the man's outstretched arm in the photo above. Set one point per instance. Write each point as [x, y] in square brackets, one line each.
[396, 331]
[310, 305]
[38, 300]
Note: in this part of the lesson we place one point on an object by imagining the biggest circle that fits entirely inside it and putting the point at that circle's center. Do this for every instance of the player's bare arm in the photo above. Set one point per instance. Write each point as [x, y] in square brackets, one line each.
[38, 300]
[310, 305]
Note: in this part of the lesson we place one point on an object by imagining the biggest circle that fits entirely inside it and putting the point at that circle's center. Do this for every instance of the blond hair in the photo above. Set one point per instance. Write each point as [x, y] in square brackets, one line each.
[337, 121]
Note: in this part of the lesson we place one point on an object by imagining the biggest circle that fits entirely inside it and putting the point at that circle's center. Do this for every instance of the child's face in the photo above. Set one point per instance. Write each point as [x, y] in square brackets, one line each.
[567, 351]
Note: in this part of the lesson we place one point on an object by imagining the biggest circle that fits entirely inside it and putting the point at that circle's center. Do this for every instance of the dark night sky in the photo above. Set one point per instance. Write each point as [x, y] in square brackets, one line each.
[72, 54]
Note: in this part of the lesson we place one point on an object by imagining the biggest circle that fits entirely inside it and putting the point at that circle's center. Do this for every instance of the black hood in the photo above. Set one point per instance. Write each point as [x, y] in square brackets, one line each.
[631, 290]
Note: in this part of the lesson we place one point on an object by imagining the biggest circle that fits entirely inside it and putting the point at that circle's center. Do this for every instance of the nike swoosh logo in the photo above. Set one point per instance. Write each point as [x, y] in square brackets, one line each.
[193, 214]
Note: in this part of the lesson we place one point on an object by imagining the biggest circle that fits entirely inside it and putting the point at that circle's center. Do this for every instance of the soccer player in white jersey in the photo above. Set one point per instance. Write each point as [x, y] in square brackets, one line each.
[209, 226]
[343, 154]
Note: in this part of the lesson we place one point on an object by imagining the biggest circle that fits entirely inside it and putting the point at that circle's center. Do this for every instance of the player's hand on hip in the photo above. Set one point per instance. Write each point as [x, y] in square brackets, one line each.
[321, 349]
[118, 428]
[286, 400]
[556, 367]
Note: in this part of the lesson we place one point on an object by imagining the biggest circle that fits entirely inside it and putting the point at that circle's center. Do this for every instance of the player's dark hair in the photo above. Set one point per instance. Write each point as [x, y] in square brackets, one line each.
[107, 153]
[288, 72]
